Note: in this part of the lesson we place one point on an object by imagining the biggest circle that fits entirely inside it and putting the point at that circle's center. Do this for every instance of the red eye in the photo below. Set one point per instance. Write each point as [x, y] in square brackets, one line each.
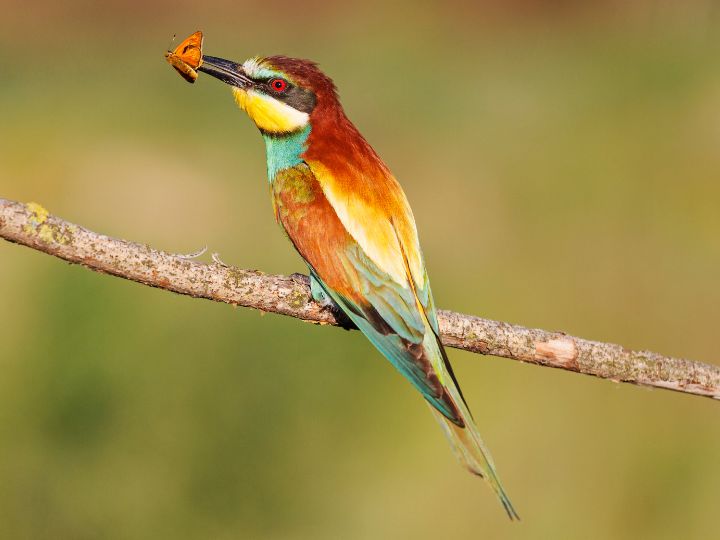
[278, 85]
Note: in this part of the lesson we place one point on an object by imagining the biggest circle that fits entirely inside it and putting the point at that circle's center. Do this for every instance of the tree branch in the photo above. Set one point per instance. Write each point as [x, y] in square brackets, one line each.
[32, 226]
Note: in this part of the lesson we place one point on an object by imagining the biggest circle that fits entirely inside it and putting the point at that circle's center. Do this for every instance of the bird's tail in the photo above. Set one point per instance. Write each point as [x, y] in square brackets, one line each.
[471, 450]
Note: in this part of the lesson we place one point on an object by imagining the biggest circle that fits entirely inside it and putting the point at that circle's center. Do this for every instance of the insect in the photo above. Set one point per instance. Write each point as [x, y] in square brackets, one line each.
[187, 57]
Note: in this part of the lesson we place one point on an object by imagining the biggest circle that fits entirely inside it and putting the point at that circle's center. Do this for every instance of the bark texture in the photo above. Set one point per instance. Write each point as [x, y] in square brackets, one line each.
[32, 226]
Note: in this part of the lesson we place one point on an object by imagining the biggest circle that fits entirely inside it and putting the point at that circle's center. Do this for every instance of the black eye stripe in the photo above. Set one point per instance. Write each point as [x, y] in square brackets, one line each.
[298, 98]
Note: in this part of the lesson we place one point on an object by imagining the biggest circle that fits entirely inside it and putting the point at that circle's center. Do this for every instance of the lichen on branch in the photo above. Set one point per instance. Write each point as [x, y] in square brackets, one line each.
[33, 226]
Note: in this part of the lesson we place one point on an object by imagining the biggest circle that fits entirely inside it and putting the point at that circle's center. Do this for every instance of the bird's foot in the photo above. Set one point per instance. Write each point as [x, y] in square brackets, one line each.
[300, 279]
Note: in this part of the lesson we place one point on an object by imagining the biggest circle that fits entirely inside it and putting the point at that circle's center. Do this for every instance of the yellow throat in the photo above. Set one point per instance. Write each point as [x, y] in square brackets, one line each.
[270, 114]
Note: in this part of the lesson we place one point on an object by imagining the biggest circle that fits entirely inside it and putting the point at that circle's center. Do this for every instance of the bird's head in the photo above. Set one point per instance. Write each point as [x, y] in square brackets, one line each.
[280, 94]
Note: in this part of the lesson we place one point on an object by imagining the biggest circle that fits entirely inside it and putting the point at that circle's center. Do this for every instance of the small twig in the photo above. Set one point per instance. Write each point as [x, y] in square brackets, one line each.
[32, 226]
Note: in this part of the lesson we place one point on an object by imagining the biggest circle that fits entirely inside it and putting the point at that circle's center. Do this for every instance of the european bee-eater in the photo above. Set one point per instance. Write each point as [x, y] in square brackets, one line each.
[349, 219]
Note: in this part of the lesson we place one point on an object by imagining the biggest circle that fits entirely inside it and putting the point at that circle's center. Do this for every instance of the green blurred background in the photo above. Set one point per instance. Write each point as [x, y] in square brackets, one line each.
[563, 166]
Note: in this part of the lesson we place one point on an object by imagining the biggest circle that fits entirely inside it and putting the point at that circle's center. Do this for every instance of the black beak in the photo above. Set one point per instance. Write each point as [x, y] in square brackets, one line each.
[228, 72]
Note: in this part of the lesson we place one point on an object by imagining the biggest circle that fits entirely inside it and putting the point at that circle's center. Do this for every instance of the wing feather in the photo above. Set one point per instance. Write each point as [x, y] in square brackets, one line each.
[357, 269]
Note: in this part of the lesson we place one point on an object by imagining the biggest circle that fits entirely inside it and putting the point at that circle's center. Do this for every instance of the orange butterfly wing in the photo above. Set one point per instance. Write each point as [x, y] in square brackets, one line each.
[187, 57]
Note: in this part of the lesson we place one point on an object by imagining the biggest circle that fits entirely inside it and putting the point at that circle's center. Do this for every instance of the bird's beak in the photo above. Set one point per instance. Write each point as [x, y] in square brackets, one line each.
[227, 71]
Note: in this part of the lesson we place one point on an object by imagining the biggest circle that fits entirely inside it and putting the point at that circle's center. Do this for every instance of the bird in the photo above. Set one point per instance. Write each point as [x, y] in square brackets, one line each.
[349, 219]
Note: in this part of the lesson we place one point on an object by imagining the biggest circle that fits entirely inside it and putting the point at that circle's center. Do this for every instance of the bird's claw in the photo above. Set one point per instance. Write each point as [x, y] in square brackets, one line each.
[300, 279]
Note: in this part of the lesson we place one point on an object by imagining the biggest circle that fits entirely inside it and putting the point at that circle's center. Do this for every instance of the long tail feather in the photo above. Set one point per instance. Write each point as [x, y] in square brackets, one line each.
[471, 451]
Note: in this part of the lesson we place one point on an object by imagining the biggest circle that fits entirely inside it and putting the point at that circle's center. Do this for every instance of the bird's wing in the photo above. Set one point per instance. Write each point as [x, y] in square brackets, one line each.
[364, 253]
[382, 315]
[376, 214]
[369, 262]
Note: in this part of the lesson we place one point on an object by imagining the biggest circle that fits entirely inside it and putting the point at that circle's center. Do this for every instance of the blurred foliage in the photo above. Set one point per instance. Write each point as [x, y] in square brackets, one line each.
[562, 161]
